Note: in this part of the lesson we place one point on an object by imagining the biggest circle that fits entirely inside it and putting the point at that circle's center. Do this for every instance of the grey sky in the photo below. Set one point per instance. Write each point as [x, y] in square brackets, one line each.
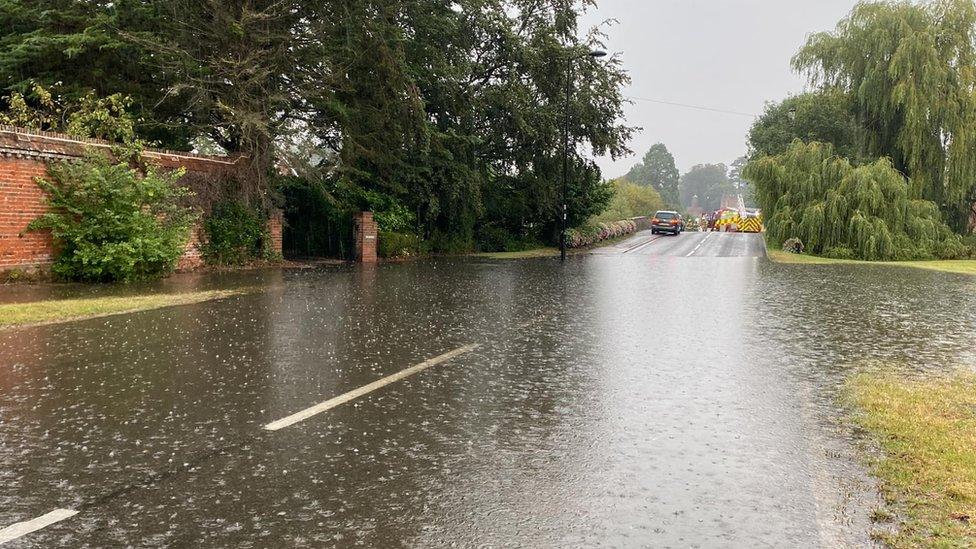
[724, 54]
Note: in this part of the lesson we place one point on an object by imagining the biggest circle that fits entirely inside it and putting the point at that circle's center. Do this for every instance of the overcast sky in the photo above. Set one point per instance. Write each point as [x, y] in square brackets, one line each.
[725, 54]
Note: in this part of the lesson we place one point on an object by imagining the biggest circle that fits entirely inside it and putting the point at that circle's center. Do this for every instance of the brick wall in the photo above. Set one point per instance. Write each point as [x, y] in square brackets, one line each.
[21, 200]
[643, 222]
[193, 256]
[25, 155]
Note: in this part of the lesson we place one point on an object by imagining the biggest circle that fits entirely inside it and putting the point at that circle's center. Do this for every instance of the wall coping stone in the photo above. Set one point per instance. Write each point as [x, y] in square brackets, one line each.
[40, 145]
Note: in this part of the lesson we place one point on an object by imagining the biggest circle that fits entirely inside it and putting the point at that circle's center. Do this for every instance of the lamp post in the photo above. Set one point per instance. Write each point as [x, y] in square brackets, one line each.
[569, 92]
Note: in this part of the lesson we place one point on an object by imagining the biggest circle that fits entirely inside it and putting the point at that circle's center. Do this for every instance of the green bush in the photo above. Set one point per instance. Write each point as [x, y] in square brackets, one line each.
[498, 239]
[969, 244]
[451, 243]
[111, 223]
[840, 252]
[393, 244]
[235, 234]
[390, 213]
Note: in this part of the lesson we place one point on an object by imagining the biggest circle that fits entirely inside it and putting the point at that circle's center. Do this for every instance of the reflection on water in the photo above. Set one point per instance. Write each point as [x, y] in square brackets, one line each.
[648, 402]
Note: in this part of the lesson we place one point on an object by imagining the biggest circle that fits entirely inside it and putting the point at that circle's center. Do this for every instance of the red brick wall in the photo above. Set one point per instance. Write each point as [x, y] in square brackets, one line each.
[25, 155]
[21, 200]
[193, 256]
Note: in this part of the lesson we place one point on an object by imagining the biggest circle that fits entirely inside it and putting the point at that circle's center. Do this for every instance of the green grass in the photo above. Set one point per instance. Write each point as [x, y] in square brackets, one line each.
[65, 310]
[524, 254]
[961, 266]
[926, 430]
[779, 256]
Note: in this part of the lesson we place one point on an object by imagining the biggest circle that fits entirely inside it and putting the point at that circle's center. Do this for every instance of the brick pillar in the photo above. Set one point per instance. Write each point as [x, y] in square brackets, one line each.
[275, 223]
[365, 236]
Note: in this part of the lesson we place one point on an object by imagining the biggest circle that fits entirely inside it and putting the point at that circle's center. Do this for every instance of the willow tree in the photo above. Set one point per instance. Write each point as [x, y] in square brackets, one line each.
[838, 209]
[910, 69]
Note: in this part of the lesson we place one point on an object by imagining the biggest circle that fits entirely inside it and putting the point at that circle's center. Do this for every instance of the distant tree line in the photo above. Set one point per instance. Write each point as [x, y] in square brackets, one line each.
[446, 118]
[894, 99]
[704, 185]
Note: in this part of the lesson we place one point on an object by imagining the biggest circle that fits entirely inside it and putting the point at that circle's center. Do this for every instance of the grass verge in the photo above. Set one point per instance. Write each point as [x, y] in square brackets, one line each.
[779, 256]
[13, 315]
[927, 431]
[524, 254]
[960, 266]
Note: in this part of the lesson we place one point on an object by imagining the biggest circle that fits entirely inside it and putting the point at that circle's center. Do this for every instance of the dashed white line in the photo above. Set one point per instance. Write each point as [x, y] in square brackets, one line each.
[691, 253]
[366, 389]
[21, 529]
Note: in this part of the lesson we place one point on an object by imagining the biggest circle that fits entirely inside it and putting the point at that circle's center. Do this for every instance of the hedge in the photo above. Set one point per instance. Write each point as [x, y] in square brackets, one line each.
[598, 232]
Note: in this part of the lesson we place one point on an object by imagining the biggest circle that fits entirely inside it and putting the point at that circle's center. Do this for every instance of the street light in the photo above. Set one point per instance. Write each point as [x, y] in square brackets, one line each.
[792, 114]
[595, 54]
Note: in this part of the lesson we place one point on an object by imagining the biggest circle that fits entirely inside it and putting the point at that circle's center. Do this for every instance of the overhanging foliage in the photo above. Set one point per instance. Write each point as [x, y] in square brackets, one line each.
[911, 71]
[455, 111]
[838, 209]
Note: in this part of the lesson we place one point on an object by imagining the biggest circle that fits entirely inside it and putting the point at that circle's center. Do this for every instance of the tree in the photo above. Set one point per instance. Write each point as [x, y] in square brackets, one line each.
[827, 117]
[709, 182]
[847, 211]
[99, 118]
[657, 169]
[910, 70]
[236, 64]
[487, 152]
[446, 117]
[75, 49]
[630, 200]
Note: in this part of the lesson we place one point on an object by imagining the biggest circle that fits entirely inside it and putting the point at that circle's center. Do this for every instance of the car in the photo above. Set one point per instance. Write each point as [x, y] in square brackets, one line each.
[667, 222]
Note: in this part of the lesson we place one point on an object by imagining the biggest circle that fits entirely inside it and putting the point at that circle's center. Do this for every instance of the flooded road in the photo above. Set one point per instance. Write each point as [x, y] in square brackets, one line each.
[640, 399]
[688, 244]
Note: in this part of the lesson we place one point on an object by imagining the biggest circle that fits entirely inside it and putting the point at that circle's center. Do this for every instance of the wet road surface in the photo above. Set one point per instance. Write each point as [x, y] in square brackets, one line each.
[634, 399]
[689, 244]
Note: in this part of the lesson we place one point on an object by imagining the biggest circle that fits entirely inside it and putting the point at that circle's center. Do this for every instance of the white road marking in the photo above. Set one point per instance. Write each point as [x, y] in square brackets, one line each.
[21, 529]
[707, 235]
[366, 389]
[642, 244]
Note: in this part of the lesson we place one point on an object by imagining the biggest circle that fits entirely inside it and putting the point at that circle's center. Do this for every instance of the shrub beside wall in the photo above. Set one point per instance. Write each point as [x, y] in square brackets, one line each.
[592, 234]
[393, 244]
[235, 235]
[109, 222]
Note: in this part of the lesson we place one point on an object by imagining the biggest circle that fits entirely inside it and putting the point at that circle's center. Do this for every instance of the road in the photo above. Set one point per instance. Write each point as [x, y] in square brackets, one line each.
[619, 399]
[690, 244]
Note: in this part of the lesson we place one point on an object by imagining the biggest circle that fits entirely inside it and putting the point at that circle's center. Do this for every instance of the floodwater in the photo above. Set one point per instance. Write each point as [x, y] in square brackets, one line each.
[622, 399]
